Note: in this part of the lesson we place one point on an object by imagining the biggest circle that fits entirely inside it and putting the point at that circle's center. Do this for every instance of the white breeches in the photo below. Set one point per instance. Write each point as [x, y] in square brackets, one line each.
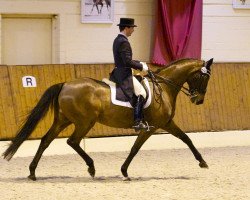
[138, 88]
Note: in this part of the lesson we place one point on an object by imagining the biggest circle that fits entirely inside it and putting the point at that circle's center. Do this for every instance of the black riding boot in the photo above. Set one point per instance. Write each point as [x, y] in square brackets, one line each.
[138, 115]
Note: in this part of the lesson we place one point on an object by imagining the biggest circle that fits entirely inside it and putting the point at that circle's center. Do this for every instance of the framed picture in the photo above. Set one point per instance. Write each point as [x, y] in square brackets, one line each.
[97, 11]
[241, 4]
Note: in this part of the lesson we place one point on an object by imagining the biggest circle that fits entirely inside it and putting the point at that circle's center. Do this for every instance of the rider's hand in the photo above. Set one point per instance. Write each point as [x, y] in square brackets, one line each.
[144, 66]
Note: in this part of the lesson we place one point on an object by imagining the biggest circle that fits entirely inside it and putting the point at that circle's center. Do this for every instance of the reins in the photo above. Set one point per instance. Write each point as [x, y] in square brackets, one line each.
[153, 76]
[155, 83]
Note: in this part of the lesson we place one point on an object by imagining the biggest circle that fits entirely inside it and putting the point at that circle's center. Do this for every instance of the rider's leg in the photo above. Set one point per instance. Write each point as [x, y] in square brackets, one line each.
[138, 88]
[138, 114]
[140, 95]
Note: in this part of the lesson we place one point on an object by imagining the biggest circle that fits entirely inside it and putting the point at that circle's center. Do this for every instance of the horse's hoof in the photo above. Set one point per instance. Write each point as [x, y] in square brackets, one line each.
[91, 171]
[32, 177]
[124, 171]
[203, 164]
[126, 179]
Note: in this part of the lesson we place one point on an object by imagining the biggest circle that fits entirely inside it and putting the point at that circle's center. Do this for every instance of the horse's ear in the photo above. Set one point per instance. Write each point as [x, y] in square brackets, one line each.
[209, 63]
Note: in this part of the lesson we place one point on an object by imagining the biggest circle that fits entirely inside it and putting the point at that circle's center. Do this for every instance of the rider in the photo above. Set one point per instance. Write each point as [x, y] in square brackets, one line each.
[122, 73]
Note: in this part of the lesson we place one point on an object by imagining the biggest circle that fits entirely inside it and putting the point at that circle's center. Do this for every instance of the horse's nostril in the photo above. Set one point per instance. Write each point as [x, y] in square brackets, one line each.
[199, 102]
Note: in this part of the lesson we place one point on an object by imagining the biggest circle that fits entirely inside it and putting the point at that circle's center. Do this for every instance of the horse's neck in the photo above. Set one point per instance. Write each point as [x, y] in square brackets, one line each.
[178, 73]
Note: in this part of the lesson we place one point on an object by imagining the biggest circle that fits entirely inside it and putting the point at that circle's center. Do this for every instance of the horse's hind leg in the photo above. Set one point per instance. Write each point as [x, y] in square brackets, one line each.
[140, 140]
[172, 128]
[74, 142]
[94, 5]
[56, 128]
[101, 8]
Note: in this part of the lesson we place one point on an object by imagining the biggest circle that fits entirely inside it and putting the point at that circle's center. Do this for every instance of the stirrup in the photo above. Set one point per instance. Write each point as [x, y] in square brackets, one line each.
[142, 126]
[148, 127]
[139, 126]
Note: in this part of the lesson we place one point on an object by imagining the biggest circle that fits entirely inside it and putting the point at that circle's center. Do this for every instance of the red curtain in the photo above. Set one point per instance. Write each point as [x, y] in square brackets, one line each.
[178, 30]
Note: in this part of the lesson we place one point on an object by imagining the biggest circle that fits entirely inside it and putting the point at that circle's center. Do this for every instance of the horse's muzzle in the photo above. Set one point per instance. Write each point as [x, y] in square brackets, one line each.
[197, 99]
[199, 102]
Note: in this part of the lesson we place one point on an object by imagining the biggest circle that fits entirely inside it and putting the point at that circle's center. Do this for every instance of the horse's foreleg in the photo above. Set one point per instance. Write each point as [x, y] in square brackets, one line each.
[172, 128]
[53, 132]
[74, 142]
[134, 150]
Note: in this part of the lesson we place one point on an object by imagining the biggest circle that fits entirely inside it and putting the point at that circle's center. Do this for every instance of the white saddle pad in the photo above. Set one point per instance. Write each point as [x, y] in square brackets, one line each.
[112, 86]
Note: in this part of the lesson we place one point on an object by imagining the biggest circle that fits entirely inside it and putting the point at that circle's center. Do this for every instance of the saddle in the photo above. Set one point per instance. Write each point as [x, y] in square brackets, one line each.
[118, 97]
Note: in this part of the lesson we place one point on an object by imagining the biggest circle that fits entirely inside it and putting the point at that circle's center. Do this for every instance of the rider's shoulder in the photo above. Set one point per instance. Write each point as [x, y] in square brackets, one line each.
[121, 38]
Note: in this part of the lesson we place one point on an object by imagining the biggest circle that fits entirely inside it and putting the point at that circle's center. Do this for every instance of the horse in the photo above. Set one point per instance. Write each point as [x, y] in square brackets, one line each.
[100, 2]
[85, 101]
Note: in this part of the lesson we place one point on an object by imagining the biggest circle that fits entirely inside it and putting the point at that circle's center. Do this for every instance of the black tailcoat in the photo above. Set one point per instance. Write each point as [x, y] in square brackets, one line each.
[122, 73]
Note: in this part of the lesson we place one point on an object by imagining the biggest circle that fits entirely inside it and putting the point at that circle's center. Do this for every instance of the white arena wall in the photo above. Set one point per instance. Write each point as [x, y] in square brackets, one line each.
[76, 42]
[226, 31]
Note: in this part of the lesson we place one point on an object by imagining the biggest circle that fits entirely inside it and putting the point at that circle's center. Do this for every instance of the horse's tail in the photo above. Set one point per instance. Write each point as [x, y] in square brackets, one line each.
[48, 99]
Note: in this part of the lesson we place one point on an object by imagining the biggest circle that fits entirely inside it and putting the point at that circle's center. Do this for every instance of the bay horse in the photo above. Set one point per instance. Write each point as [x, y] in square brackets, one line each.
[85, 101]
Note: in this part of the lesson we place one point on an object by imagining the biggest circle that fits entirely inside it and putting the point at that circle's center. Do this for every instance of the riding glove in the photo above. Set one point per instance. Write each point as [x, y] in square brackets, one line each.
[144, 66]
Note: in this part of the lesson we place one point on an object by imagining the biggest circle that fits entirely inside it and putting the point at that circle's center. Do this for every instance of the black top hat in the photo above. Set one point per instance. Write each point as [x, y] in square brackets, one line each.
[127, 22]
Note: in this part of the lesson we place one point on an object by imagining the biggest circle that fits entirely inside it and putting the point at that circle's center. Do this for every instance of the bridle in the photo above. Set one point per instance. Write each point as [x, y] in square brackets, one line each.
[156, 79]
[167, 81]
[201, 85]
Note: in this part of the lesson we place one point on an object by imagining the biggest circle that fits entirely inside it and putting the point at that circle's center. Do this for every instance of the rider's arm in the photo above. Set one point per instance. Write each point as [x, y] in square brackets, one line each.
[126, 55]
